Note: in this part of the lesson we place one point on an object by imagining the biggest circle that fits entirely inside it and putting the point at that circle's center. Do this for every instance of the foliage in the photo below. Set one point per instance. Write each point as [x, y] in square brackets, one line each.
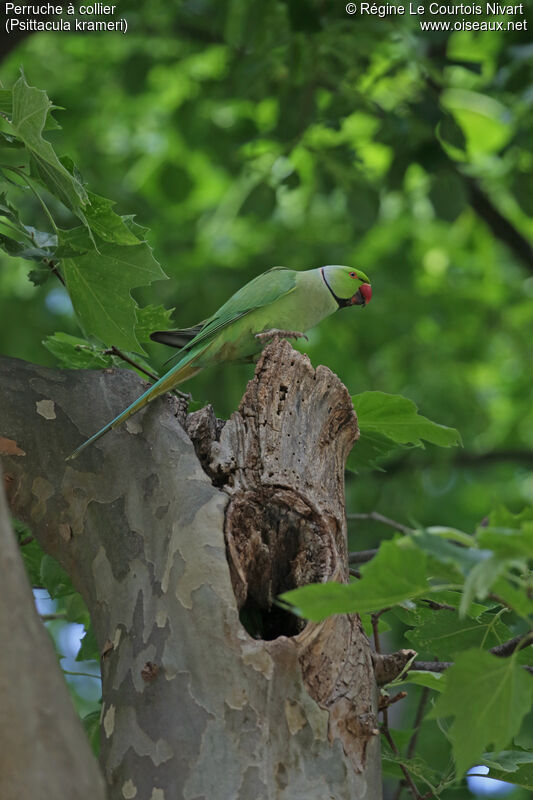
[460, 596]
[252, 135]
[99, 262]
[387, 422]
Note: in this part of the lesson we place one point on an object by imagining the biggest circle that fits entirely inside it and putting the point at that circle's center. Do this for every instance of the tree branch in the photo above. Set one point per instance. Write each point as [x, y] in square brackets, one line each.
[361, 556]
[442, 666]
[375, 516]
[499, 225]
[508, 648]
[462, 459]
[386, 732]
[411, 747]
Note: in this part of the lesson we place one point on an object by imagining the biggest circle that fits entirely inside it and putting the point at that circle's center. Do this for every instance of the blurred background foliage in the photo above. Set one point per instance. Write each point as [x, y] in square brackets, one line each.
[247, 135]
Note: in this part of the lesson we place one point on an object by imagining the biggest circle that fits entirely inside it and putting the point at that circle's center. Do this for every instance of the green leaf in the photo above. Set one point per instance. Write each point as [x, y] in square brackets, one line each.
[6, 103]
[412, 613]
[432, 542]
[518, 600]
[488, 698]
[150, 319]
[398, 418]
[431, 680]
[6, 140]
[513, 766]
[522, 777]
[76, 610]
[31, 108]
[508, 543]
[501, 517]
[451, 132]
[72, 351]
[91, 724]
[32, 555]
[524, 739]
[388, 422]
[507, 760]
[40, 275]
[480, 580]
[54, 578]
[448, 194]
[89, 647]
[25, 241]
[99, 284]
[444, 634]
[418, 768]
[9, 211]
[106, 223]
[11, 246]
[369, 450]
[453, 598]
[395, 574]
[20, 250]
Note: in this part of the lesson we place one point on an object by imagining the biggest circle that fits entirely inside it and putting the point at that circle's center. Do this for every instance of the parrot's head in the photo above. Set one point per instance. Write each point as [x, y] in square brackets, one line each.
[349, 286]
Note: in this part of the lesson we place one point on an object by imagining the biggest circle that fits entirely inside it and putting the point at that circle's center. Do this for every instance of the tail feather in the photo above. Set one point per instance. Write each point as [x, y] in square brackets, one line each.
[174, 377]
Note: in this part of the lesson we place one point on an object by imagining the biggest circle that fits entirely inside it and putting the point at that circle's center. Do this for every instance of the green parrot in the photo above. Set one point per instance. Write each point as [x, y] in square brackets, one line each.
[280, 302]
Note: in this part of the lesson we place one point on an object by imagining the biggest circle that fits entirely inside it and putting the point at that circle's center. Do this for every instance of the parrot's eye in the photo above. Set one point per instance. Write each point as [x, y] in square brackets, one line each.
[353, 275]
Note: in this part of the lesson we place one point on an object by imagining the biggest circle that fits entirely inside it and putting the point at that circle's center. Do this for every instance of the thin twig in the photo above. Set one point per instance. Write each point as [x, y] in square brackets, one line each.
[437, 606]
[50, 617]
[361, 556]
[55, 269]
[81, 674]
[354, 573]
[386, 732]
[385, 701]
[375, 516]
[424, 697]
[26, 540]
[375, 626]
[375, 631]
[114, 351]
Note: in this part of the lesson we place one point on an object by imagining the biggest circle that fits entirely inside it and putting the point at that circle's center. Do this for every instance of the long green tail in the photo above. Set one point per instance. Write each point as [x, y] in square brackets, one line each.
[175, 376]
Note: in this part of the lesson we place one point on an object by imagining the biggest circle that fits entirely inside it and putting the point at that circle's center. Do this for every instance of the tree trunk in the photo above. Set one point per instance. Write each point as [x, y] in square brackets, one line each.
[45, 752]
[179, 531]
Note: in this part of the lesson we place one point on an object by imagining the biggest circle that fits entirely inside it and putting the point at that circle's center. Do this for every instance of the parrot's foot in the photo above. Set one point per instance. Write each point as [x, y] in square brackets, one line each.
[275, 333]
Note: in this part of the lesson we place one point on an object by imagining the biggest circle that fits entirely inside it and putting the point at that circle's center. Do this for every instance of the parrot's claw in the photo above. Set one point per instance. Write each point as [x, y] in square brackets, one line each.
[275, 333]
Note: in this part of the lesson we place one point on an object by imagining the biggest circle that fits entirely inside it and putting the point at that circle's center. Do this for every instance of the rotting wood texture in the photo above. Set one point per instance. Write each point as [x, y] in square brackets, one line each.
[193, 705]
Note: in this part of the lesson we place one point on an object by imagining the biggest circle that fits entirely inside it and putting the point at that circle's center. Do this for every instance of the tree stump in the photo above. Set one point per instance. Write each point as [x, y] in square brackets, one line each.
[180, 531]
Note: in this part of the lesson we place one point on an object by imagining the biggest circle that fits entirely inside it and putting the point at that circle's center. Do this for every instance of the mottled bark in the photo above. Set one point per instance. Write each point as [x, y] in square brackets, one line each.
[173, 547]
[44, 750]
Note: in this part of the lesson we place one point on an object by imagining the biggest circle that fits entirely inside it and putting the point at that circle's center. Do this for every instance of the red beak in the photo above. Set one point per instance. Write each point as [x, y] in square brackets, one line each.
[363, 295]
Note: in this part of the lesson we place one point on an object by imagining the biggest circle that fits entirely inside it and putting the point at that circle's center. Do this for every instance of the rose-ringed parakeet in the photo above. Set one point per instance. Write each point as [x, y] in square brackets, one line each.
[280, 300]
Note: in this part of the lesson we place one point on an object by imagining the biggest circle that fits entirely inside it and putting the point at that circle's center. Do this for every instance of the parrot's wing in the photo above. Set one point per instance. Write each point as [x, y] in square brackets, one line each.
[259, 292]
[178, 338]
